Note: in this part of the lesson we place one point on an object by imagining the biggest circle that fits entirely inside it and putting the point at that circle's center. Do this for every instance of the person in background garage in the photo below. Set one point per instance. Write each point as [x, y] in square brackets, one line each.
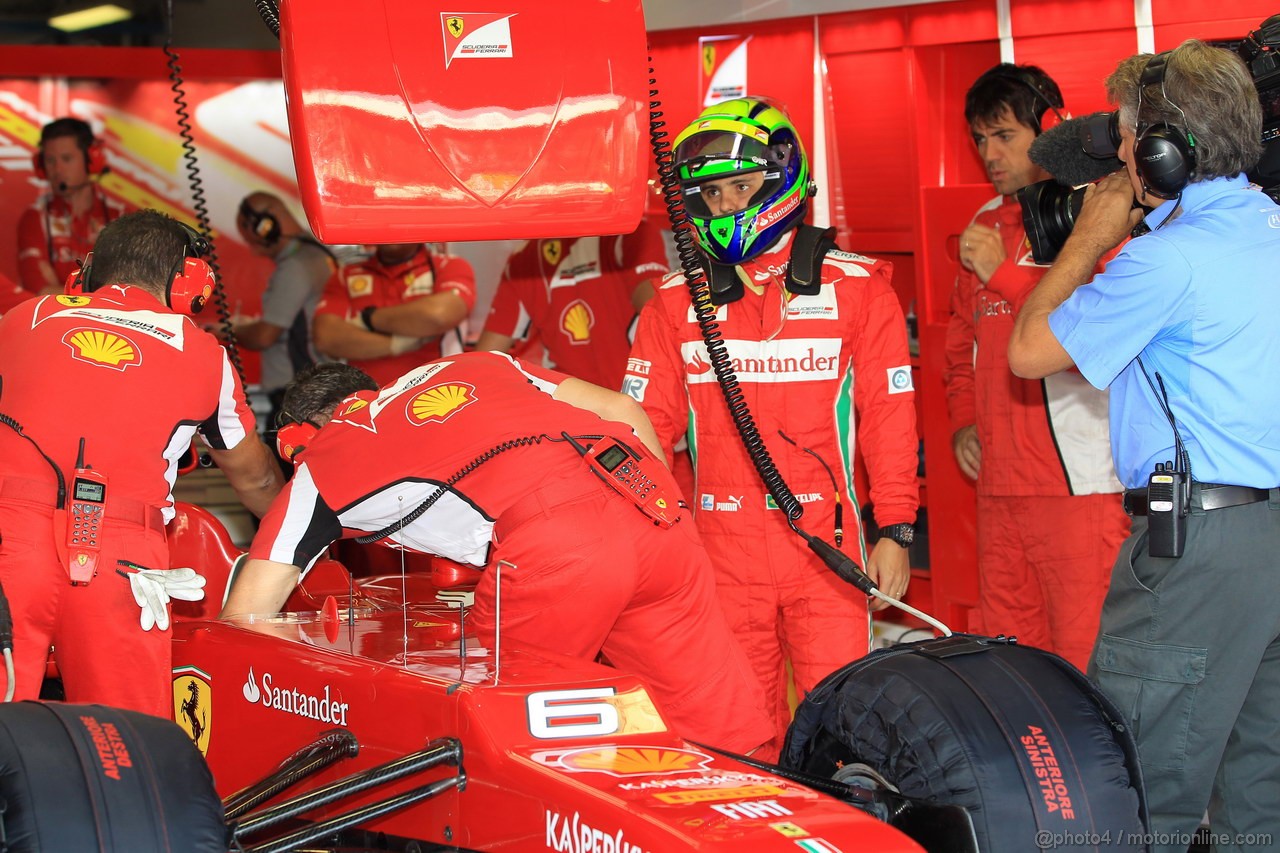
[1049, 515]
[813, 335]
[59, 229]
[1182, 327]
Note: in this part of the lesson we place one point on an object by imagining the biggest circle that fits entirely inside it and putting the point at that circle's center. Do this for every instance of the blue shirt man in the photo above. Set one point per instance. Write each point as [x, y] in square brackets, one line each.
[1186, 315]
[1207, 275]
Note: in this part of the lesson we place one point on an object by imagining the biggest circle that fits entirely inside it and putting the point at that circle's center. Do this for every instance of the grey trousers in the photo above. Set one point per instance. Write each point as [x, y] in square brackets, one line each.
[1188, 650]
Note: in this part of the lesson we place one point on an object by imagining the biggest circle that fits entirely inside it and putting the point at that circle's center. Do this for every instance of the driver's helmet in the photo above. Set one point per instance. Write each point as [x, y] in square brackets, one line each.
[734, 138]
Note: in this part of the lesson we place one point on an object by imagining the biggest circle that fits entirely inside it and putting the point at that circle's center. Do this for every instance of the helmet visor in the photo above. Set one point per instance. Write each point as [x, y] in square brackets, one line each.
[707, 162]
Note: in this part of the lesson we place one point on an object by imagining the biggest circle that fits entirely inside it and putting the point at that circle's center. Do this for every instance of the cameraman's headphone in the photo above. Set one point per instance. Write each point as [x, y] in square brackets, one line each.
[1163, 155]
[95, 156]
[1051, 116]
[191, 281]
[263, 224]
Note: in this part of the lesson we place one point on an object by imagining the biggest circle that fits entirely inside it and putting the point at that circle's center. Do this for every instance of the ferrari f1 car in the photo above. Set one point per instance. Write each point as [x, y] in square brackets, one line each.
[360, 722]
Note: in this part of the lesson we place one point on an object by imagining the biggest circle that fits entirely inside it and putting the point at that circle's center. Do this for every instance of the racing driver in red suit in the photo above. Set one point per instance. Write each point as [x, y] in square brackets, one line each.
[807, 356]
[583, 570]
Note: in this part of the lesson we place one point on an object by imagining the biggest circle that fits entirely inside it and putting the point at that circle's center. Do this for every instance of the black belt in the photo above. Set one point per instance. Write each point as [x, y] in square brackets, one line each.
[1211, 496]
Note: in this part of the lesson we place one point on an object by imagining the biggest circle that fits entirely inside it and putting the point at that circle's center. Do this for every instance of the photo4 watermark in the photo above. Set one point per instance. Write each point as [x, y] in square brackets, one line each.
[1046, 840]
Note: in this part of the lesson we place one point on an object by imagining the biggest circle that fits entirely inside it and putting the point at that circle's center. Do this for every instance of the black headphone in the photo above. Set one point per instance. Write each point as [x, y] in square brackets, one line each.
[190, 281]
[1163, 155]
[263, 224]
[1051, 115]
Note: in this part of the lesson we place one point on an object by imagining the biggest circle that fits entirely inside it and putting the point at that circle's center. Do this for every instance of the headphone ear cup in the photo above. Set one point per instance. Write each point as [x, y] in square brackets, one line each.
[96, 158]
[292, 439]
[1163, 160]
[267, 228]
[190, 287]
[77, 283]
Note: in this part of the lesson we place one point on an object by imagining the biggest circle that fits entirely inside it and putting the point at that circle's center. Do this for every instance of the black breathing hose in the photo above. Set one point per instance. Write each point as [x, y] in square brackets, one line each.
[198, 203]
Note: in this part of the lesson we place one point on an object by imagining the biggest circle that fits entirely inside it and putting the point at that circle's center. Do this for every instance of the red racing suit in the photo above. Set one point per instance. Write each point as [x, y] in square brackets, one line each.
[47, 231]
[576, 294]
[587, 571]
[1050, 520]
[136, 382]
[355, 287]
[805, 364]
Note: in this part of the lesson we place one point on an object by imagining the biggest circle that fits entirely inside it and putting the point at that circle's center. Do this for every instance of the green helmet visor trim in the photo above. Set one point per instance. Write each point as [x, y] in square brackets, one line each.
[719, 154]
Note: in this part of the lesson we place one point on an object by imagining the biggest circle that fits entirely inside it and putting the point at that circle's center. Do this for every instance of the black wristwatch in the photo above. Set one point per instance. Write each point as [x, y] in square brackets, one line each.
[904, 534]
[366, 317]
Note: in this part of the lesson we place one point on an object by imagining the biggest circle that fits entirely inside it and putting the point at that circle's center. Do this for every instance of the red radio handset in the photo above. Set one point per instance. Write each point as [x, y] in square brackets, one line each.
[84, 524]
[634, 476]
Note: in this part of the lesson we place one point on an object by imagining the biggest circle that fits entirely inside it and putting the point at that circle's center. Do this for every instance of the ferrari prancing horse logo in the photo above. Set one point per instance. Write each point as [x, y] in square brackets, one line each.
[191, 704]
[455, 26]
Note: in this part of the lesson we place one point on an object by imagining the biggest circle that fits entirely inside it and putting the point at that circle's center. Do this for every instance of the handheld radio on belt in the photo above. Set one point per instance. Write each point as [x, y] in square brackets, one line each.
[1168, 488]
[85, 524]
[623, 469]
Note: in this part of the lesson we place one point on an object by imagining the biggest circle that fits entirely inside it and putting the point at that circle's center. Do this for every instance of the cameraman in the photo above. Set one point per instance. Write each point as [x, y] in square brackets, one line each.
[1182, 327]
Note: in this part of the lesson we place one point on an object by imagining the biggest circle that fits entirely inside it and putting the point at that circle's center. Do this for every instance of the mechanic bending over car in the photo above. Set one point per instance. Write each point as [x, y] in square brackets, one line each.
[1182, 325]
[586, 568]
[104, 392]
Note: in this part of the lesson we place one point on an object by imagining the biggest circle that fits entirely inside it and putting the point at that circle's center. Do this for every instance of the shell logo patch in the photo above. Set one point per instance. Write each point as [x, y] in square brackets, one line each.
[359, 285]
[439, 403]
[552, 251]
[103, 349]
[635, 761]
[576, 321]
[72, 301]
[192, 705]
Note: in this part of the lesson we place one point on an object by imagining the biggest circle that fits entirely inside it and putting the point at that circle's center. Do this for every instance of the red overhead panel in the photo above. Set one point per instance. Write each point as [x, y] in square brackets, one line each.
[415, 121]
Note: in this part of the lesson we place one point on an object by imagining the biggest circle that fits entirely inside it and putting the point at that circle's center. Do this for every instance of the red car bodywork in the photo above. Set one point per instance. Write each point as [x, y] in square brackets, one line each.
[558, 753]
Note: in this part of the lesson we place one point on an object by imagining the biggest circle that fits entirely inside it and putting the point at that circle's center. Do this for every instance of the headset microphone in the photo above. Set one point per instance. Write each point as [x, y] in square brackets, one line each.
[63, 186]
[1060, 151]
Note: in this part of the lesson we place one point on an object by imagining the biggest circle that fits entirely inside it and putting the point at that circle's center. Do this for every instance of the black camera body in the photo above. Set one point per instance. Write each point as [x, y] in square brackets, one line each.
[1049, 209]
[1259, 51]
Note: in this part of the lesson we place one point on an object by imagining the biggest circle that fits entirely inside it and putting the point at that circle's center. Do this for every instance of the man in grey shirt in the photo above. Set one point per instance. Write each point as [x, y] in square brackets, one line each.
[303, 265]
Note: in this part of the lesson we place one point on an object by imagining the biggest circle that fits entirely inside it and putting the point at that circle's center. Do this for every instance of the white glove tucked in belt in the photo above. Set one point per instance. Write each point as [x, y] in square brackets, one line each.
[153, 588]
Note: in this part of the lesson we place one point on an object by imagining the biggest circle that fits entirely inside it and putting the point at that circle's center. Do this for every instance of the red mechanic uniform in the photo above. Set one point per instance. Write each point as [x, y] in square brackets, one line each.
[590, 573]
[1050, 520]
[47, 231]
[576, 294]
[804, 363]
[136, 381]
[355, 287]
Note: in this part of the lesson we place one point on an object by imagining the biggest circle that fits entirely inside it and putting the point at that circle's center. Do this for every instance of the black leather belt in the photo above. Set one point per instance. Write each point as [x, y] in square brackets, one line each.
[1211, 495]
